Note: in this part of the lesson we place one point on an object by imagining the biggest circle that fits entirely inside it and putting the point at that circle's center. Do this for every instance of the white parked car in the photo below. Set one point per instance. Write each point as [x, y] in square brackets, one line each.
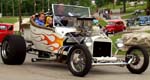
[74, 41]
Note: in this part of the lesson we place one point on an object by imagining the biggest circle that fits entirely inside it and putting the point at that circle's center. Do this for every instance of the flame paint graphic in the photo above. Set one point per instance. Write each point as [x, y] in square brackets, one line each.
[52, 41]
[57, 40]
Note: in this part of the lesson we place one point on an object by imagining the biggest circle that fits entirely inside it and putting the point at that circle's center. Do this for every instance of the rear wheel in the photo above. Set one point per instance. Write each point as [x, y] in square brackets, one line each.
[80, 60]
[140, 59]
[13, 50]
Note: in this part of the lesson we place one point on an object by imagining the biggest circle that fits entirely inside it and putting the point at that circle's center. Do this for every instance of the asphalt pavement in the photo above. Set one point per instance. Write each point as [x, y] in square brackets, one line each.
[56, 71]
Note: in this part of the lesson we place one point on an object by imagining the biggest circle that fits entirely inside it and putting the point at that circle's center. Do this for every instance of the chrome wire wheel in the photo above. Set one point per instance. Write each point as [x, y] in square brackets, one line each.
[78, 60]
[140, 60]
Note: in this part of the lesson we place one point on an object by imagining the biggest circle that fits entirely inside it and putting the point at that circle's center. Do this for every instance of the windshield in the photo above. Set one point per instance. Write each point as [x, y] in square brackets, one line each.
[70, 10]
[143, 18]
[3, 28]
[66, 15]
[111, 23]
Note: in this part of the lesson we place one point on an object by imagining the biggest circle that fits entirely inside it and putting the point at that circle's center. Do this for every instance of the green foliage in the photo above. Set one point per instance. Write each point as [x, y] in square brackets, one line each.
[132, 10]
[118, 2]
[99, 3]
[85, 2]
[73, 2]
[93, 8]
[28, 5]
[148, 3]
[102, 22]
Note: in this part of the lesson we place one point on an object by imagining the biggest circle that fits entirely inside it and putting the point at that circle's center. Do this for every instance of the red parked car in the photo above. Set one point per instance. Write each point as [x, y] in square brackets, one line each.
[114, 26]
[5, 29]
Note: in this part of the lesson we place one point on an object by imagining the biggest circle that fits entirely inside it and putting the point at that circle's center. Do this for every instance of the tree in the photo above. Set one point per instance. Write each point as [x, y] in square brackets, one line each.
[85, 2]
[13, 9]
[124, 6]
[99, 3]
[148, 8]
[29, 7]
[148, 3]
[73, 2]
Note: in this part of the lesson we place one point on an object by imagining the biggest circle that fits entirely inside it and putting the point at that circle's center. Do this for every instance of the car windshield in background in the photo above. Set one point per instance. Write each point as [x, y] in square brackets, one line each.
[111, 23]
[3, 28]
[70, 10]
[143, 18]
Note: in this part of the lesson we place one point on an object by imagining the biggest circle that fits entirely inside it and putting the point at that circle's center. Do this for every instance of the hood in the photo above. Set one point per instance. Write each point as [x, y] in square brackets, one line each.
[63, 30]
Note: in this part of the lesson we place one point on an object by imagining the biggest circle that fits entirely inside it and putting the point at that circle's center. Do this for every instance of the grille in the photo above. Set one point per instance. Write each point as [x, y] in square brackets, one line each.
[101, 49]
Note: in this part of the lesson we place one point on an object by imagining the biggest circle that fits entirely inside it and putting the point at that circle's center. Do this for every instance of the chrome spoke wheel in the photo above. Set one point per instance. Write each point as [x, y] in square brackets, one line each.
[140, 59]
[78, 60]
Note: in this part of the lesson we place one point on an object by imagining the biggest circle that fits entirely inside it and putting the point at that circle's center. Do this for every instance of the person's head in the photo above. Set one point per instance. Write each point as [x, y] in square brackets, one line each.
[60, 9]
[41, 16]
[49, 20]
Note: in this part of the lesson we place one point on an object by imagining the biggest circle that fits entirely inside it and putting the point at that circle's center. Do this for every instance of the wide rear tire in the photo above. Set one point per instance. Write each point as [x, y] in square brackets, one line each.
[13, 50]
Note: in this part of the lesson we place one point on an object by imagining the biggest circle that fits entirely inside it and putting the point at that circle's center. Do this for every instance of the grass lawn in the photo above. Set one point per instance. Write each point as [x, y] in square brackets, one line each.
[131, 16]
[130, 9]
[8, 19]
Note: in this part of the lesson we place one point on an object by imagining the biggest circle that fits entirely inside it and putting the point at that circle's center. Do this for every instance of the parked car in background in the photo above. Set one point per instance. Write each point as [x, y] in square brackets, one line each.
[144, 20]
[5, 29]
[148, 21]
[114, 26]
[130, 22]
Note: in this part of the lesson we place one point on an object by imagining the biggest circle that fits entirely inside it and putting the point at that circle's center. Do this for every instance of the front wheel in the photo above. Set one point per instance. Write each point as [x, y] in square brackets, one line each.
[140, 60]
[80, 60]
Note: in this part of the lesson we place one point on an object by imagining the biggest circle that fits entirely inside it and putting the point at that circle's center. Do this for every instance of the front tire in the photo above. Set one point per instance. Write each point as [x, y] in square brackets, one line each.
[80, 60]
[13, 50]
[140, 60]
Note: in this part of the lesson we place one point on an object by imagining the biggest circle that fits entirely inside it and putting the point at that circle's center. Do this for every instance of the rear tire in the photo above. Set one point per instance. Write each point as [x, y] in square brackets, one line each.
[136, 67]
[80, 60]
[13, 50]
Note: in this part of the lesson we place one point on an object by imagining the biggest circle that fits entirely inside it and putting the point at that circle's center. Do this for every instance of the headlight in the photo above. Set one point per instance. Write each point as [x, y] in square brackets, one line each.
[119, 43]
[88, 41]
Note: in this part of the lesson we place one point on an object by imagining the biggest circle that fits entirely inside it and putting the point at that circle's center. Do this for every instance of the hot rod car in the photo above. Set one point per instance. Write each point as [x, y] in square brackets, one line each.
[72, 40]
